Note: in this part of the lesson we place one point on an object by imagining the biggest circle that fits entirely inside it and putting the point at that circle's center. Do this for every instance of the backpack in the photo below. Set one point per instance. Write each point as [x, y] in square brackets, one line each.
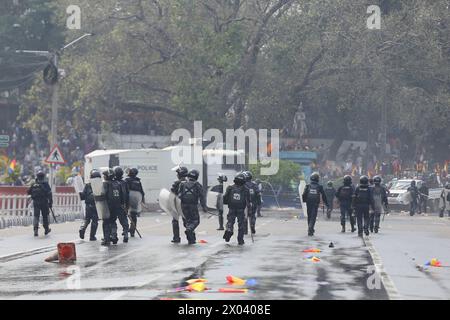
[313, 193]
[237, 198]
[188, 192]
[115, 193]
[252, 190]
[89, 195]
[346, 193]
[363, 196]
[38, 192]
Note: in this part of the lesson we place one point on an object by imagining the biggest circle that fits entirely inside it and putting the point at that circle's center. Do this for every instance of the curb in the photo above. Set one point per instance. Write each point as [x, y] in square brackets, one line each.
[23, 221]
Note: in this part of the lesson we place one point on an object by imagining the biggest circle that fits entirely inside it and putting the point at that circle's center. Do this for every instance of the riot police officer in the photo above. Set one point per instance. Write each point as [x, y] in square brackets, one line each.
[345, 196]
[254, 201]
[362, 201]
[237, 197]
[260, 202]
[41, 194]
[114, 199]
[137, 196]
[182, 173]
[380, 202]
[122, 213]
[445, 200]
[190, 193]
[330, 191]
[414, 194]
[91, 215]
[424, 192]
[311, 195]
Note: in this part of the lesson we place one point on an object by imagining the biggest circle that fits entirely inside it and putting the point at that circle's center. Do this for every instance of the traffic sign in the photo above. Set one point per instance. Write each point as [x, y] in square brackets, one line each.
[55, 156]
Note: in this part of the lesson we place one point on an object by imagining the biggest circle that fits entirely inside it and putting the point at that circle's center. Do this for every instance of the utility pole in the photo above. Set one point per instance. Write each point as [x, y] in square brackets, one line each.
[54, 63]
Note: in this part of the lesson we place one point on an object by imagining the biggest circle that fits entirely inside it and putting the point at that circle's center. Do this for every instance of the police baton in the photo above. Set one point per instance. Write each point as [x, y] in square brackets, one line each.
[53, 214]
[135, 228]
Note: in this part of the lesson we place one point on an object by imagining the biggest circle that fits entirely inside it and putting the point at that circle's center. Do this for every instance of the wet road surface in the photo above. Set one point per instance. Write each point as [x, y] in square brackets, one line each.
[152, 267]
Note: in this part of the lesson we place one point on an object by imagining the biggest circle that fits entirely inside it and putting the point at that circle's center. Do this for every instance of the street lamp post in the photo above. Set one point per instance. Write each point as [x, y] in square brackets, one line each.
[54, 58]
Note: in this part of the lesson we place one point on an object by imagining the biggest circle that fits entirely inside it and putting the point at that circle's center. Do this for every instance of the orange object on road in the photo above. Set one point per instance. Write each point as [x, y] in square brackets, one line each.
[231, 290]
[235, 280]
[66, 252]
[313, 250]
[203, 241]
[191, 281]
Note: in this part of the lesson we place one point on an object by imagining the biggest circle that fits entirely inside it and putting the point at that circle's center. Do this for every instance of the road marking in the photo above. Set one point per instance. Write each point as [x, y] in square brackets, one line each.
[389, 285]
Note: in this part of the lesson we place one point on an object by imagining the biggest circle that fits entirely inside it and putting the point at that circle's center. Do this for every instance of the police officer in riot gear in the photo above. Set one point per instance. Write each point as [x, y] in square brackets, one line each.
[345, 196]
[91, 215]
[330, 192]
[414, 192]
[222, 178]
[237, 197]
[362, 201]
[311, 195]
[260, 188]
[182, 173]
[380, 202]
[190, 193]
[424, 192]
[445, 200]
[254, 201]
[114, 199]
[122, 212]
[41, 194]
[134, 185]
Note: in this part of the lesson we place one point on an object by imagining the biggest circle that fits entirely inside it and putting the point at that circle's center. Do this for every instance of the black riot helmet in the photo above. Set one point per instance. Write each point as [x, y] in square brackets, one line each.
[315, 177]
[182, 172]
[40, 176]
[193, 174]
[364, 180]
[222, 178]
[248, 175]
[347, 180]
[108, 174]
[95, 174]
[239, 179]
[118, 172]
[377, 180]
[330, 183]
[133, 172]
[413, 183]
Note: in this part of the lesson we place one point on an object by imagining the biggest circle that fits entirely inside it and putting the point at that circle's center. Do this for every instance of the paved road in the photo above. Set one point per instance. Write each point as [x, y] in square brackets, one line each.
[150, 268]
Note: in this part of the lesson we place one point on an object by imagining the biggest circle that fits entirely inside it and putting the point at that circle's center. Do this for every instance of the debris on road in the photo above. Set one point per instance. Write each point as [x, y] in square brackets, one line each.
[191, 281]
[331, 245]
[313, 258]
[232, 280]
[312, 250]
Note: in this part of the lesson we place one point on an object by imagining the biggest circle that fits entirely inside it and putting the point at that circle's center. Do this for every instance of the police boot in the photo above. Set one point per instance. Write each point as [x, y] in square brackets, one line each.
[114, 239]
[93, 232]
[376, 229]
[82, 231]
[227, 235]
[353, 228]
[343, 228]
[125, 236]
[253, 229]
[47, 231]
[36, 232]
[105, 243]
[190, 237]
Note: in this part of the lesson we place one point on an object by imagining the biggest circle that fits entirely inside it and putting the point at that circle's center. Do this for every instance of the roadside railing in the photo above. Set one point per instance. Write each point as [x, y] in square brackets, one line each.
[22, 205]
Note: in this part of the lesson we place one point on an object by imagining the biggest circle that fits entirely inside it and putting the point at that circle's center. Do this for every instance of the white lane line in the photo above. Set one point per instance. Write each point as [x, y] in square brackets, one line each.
[389, 285]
